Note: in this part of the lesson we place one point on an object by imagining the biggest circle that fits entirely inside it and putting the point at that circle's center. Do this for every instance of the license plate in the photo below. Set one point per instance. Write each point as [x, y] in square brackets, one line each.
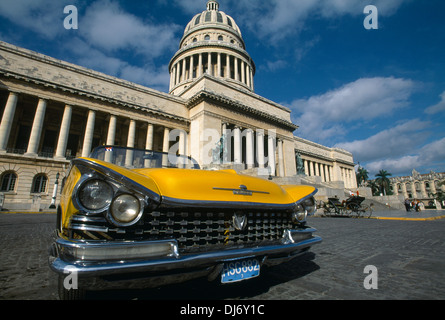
[239, 270]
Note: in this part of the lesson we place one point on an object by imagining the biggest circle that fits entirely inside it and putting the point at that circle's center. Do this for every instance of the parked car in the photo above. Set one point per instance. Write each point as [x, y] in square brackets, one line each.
[137, 218]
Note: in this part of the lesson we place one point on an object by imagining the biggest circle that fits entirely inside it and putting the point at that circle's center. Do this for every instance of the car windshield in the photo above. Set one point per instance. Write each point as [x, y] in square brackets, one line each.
[139, 158]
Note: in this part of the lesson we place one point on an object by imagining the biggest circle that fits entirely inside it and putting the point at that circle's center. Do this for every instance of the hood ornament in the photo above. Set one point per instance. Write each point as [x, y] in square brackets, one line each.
[242, 191]
[239, 221]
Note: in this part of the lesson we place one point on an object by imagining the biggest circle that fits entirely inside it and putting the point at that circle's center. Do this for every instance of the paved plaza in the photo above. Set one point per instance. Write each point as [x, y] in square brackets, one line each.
[407, 251]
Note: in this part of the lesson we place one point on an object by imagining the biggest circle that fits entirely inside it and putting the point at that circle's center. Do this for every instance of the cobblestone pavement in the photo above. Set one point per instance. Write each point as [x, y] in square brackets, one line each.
[409, 257]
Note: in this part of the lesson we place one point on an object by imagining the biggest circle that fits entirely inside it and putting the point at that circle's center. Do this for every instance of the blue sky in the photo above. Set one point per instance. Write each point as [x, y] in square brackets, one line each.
[377, 93]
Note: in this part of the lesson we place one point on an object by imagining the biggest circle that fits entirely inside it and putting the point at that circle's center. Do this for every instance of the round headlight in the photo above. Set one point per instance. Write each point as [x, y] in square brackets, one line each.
[300, 214]
[310, 205]
[125, 208]
[95, 195]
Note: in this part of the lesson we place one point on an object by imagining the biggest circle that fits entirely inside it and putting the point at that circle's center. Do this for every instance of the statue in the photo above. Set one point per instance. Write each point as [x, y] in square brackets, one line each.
[300, 164]
[218, 152]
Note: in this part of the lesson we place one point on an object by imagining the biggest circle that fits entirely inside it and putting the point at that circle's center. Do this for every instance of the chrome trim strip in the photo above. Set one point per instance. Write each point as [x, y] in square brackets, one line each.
[168, 202]
[118, 178]
[171, 263]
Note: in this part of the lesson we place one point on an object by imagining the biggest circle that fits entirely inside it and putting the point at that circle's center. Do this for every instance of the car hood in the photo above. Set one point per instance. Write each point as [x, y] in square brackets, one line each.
[203, 188]
[222, 188]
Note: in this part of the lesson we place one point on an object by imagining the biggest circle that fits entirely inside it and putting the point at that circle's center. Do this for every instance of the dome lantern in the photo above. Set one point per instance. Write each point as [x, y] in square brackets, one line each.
[212, 5]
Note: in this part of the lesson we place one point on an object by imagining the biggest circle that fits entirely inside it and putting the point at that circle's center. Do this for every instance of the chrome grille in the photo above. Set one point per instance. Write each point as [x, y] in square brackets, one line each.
[194, 230]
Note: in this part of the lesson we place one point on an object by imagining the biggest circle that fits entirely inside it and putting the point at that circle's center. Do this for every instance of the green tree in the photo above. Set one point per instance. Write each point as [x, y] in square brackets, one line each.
[362, 176]
[383, 181]
[374, 187]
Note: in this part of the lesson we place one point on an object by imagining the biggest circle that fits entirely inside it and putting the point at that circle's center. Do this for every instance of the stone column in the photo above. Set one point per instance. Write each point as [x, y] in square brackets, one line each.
[218, 66]
[413, 189]
[7, 119]
[209, 64]
[235, 61]
[306, 167]
[111, 135]
[404, 192]
[317, 171]
[248, 75]
[165, 147]
[184, 69]
[64, 133]
[322, 173]
[177, 73]
[182, 150]
[249, 148]
[260, 148]
[37, 127]
[192, 62]
[89, 132]
[199, 73]
[271, 154]
[243, 72]
[166, 142]
[311, 168]
[433, 187]
[237, 145]
[422, 189]
[228, 70]
[149, 138]
[130, 143]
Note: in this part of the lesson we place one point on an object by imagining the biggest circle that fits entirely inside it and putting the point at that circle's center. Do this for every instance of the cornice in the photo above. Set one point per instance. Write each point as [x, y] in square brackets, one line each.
[217, 99]
[89, 95]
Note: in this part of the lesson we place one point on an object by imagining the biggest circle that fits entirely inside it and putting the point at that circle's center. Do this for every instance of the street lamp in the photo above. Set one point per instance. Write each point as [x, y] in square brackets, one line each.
[53, 199]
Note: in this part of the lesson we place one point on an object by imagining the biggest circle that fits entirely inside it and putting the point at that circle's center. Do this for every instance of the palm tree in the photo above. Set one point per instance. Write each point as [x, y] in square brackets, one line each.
[362, 175]
[383, 180]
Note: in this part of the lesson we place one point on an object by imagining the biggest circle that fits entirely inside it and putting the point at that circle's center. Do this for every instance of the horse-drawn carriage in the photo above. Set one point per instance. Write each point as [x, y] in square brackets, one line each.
[353, 206]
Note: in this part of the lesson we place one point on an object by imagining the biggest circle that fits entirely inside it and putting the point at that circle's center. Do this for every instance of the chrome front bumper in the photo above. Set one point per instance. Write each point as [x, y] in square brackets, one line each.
[94, 261]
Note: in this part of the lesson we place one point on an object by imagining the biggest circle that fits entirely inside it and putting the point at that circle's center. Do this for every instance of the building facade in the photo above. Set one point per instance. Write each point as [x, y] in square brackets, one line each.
[52, 111]
[418, 186]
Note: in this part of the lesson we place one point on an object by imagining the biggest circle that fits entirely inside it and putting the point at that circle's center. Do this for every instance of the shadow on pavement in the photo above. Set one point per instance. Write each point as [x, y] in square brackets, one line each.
[201, 289]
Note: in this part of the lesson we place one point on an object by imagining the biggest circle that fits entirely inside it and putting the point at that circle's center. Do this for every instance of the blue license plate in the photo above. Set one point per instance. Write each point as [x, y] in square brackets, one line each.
[239, 270]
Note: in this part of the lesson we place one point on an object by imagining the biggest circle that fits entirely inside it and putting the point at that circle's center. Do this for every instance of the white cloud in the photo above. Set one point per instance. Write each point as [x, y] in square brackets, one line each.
[325, 115]
[149, 74]
[277, 19]
[424, 159]
[437, 108]
[402, 139]
[44, 17]
[107, 26]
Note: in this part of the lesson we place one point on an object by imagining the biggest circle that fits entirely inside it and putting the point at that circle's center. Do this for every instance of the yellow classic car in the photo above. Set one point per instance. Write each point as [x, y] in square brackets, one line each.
[137, 218]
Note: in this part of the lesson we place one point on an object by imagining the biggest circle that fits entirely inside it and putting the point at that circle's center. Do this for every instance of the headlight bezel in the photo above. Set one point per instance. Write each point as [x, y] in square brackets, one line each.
[80, 187]
[140, 210]
[117, 190]
[303, 208]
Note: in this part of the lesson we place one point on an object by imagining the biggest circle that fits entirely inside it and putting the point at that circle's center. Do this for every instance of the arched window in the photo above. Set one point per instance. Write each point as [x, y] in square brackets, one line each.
[207, 37]
[198, 18]
[219, 17]
[8, 181]
[220, 38]
[229, 22]
[39, 184]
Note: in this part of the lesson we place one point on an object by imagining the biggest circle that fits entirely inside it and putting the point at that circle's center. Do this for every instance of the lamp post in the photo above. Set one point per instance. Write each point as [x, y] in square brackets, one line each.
[53, 199]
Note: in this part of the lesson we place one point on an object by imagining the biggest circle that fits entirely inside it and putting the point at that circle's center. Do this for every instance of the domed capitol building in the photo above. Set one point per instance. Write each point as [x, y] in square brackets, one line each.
[53, 111]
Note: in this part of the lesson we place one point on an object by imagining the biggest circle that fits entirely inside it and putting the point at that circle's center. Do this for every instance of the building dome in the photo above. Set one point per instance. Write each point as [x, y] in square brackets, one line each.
[212, 17]
[212, 43]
